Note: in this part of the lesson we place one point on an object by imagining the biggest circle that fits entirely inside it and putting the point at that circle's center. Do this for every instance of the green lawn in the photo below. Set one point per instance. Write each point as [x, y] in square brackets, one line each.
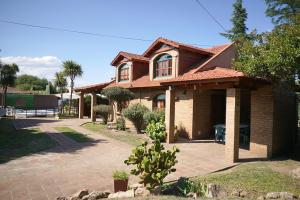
[15, 144]
[71, 133]
[256, 178]
[123, 136]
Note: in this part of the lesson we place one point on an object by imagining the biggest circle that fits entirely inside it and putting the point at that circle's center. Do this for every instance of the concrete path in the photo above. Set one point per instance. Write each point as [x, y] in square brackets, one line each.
[72, 166]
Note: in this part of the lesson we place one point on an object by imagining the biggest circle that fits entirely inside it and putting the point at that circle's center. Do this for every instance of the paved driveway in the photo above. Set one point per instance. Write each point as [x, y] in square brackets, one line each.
[72, 166]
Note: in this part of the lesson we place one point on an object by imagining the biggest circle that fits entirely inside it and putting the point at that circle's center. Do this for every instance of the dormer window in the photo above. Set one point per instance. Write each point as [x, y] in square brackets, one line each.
[124, 72]
[163, 66]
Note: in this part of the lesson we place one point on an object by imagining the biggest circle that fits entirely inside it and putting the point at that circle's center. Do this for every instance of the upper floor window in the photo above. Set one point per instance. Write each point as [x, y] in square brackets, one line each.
[163, 65]
[159, 101]
[124, 73]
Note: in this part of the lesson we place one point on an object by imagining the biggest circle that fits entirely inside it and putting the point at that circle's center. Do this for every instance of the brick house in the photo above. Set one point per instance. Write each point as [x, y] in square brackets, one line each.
[198, 88]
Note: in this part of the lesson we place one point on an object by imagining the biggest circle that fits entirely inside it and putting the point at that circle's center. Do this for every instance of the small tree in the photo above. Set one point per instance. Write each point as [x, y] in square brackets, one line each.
[72, 70]
[104, 111]
[152, 164]
[60, 82]
[119, 95]
[135, 113]
[8, 76]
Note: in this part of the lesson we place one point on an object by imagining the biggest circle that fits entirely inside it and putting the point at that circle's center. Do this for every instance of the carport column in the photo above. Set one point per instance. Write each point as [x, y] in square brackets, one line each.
[170, 114]
[81, 105]
[232, 135]
[93, 104]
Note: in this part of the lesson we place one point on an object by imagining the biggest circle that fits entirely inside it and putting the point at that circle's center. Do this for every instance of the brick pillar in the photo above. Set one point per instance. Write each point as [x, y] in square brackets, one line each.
[93, 103]
[232, 137]
[81, 105]
[170, 114]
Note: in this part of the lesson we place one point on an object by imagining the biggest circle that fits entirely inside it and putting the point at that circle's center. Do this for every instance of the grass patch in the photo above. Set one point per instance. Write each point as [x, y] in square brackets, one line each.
[71, 133]
[255, 178]
[123, 136]
[18, 143]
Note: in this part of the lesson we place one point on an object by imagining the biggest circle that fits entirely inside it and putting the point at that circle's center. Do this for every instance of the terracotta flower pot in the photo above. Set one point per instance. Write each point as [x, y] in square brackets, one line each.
[120, 185]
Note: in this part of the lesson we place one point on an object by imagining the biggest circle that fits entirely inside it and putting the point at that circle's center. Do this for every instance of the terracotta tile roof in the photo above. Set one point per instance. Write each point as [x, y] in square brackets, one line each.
[90, 88]
[218, 48]
[177, 45]
[212, 74]
[142, 82]
[129, 56]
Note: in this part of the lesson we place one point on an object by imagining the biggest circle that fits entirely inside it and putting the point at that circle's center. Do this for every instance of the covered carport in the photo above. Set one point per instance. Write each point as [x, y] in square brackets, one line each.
[93, 90]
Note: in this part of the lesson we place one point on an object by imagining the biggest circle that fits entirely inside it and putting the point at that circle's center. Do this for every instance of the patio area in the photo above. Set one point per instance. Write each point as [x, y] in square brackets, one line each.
[72, 166]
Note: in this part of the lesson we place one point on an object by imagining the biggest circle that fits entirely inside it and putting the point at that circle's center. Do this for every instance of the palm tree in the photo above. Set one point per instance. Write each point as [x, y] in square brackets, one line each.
[8, 76]
[72, 70]
[60, 81]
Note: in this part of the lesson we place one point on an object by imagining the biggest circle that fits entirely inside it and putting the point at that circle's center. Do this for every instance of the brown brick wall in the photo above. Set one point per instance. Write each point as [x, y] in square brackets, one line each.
[262, 116]
[139, 69]
[189, 59]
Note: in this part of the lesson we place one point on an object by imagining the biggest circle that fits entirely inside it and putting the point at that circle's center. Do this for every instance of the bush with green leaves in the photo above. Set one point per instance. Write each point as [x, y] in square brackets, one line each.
[152, 163]
[156, 130]
[120, 175]
[155, 116]
[119, 95]
[120, 124]
[104, 111]
[135, 113]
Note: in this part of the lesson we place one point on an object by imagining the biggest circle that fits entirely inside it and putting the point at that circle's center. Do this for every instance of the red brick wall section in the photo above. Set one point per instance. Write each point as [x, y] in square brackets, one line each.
[189, 59]
[139, 69]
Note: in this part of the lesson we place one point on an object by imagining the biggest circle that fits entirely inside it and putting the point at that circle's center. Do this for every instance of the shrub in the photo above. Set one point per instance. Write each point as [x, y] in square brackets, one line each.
[120, 175]
[153, 163]
[120, 125]
[155, 116]
[135, 113]
[104, 111]
[118, 95]
[156, 130]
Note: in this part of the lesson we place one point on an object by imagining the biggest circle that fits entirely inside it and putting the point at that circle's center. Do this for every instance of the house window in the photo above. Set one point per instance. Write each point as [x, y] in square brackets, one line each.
[163, 66]
[159, 101]
[124, 73]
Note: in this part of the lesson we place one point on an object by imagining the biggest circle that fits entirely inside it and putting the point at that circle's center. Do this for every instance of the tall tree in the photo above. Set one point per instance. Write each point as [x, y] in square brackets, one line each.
[282, 11]
[31, 83]
[61, 83]
[8, 75]
[239, 17]
[72, 70]
[273, 55]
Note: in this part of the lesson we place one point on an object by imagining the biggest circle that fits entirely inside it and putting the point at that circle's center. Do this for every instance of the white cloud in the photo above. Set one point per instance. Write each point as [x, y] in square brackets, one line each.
[43, 67]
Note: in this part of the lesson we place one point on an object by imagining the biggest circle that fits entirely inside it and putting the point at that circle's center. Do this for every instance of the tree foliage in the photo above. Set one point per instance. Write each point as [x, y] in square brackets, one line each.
[119, 95]
[153, 163]
[60, 81]
[239, 17]
[31, 83]
[272, 55]
[156, 130]
[72, 70]
[8, 76]
[104, 111]
[282, 11]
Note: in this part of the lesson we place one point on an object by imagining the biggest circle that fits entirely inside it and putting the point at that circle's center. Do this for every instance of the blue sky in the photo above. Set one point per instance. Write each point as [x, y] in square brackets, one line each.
[40, 52]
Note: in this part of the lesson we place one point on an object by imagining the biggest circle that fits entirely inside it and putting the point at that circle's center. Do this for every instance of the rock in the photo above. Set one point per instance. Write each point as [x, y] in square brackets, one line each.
[287, 195]
[243, 193]
[61, 198]
[78, 195]
[235, 193]
[261, 198]
[213, 190]
[96, 195]
[273, 195]
[136, 186]
[127, 194]
[141, 192]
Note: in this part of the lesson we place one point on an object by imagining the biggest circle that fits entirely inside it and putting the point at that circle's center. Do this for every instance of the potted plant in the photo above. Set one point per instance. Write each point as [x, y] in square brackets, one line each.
[120, 181]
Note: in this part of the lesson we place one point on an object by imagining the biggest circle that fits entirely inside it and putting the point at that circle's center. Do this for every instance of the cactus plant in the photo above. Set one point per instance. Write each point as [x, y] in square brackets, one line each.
[152, 163]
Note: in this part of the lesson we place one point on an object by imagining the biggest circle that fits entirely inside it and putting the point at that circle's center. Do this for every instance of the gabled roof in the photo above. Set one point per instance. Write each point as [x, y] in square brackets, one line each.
[130, 56]
[179, 45]
[142, 82]
[92, 88]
